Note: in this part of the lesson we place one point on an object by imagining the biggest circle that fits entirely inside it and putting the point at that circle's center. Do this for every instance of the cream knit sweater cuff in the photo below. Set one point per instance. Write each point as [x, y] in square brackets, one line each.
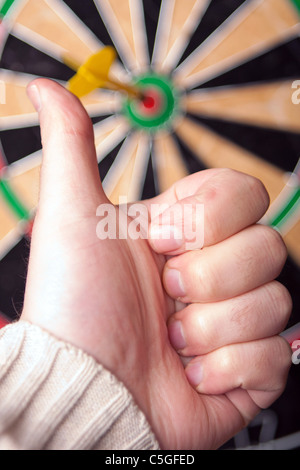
[54, 396]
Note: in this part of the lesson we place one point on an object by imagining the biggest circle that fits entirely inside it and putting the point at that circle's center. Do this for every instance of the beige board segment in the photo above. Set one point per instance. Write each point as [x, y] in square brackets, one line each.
[125, 22]
[53, 22]
[255, 27]
[101, 102]
[26, 186]
[126, 176]
[123, 186]
[8, 221]
[17, 108]
[216, 152]
[169, 164]
[292, 240]
[108, 134]
[268, 105]
[178, 20]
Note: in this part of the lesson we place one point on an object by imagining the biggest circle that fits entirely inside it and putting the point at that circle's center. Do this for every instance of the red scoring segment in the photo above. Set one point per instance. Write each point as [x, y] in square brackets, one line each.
[3, 321]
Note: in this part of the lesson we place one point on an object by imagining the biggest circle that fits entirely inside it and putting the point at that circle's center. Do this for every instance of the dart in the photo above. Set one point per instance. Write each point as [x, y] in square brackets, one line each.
[94, 73]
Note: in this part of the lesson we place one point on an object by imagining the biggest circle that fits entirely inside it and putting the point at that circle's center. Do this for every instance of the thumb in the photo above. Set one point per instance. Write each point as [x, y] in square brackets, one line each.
[70, 181]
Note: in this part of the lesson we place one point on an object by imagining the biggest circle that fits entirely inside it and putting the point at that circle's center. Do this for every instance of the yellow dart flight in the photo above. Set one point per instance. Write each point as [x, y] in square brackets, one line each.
[94, 73]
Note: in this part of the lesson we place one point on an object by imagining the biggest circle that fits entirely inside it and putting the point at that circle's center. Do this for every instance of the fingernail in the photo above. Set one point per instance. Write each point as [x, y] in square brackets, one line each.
[174, 284]
[176, 335]
[194, 373]
[165, 238]
[34, 96]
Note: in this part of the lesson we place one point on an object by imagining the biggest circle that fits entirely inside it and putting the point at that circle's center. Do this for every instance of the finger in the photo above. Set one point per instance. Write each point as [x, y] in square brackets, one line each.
[235, 266]
[220, 206]
[261, 313]
[70, 180]
[257, 366]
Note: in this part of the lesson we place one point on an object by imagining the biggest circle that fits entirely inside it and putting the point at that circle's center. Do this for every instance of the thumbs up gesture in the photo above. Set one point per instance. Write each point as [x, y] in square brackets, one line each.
[116, 299]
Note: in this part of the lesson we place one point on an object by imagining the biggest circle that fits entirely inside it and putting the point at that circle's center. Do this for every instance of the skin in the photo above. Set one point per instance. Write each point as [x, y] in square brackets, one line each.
[145, 308]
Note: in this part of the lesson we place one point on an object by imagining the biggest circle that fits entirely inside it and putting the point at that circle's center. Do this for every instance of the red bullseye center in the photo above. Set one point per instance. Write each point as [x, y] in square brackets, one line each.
[149, 102]
[152, 102]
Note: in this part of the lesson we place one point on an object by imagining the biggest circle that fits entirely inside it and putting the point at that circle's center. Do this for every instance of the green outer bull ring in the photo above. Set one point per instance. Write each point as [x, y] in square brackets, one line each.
[164, 115]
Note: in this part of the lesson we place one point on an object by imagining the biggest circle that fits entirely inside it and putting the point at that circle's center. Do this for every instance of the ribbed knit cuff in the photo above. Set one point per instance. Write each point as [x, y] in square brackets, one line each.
[54, 396]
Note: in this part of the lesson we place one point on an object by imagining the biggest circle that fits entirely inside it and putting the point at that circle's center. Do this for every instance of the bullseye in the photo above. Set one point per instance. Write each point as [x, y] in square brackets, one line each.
[152, 102]
[148, 102]
[157, 106]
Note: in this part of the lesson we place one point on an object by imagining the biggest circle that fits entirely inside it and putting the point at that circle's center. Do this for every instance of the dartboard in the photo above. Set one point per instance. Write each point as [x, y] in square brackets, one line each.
[218, 77]
[220, 83]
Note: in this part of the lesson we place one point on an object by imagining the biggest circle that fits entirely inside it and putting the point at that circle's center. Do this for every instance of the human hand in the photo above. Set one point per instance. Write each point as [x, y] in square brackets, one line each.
[106, 296]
